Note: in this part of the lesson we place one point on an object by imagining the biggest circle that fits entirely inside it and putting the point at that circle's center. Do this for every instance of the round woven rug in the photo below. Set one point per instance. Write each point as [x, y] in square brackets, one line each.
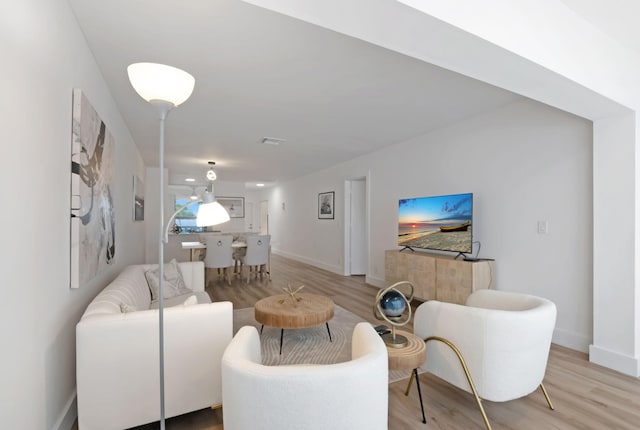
[308, 345]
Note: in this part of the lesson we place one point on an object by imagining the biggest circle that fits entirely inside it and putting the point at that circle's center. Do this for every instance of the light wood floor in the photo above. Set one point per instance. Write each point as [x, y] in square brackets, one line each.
[585, 396]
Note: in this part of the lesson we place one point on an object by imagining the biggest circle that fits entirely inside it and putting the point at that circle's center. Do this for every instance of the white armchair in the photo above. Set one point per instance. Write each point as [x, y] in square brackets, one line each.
[495, 347]
[344, 396]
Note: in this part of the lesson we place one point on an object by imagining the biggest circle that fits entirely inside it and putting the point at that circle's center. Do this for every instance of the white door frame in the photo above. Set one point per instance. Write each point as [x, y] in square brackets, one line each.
[346, 269]
[264, 217]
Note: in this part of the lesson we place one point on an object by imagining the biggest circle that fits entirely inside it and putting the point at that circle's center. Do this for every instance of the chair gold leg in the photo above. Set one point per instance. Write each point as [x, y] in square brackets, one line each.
[467, 374]
[546, 396]
[406, 392]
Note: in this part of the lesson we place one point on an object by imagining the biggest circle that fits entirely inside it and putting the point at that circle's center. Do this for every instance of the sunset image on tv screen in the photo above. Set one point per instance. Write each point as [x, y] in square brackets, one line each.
[441, 223]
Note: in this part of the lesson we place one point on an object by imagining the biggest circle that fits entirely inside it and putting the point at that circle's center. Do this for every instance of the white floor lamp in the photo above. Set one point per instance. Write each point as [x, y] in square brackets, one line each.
[165, 87]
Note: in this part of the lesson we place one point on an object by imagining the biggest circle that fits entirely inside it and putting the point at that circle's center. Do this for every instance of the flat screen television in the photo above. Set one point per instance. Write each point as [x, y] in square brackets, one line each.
[441, 223]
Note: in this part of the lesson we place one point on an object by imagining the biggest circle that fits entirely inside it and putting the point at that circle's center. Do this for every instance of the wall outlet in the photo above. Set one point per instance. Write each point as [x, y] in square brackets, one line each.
[543, 227]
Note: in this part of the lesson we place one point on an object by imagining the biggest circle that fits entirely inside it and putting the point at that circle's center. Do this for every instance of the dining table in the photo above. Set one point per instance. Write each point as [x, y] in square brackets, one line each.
[193, 247]
[197, 247]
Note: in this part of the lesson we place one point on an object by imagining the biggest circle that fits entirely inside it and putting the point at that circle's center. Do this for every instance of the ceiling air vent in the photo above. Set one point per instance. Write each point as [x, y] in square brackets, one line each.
[272, 141]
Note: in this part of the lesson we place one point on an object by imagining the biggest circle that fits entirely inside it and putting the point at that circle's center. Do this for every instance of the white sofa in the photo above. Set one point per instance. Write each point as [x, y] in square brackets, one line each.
[344, 396]
[117, 353]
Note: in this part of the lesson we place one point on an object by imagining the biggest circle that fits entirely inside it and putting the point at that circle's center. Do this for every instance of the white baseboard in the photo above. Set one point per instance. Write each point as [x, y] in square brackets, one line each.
[320, 264]
[614, 360]
[571, 340]
[371, 280]
[376, 282]
[69, 414]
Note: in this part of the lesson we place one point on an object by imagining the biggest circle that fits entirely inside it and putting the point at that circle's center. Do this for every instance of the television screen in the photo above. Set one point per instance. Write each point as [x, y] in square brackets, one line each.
[442, 223]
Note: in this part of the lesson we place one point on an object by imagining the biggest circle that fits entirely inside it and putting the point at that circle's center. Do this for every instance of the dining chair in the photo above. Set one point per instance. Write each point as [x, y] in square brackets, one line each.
[219, 254]
[257, 255]
[240, 251]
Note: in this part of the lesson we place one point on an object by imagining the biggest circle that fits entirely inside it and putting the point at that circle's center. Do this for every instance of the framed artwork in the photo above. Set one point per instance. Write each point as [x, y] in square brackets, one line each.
[326, 207]
[138, 199]
[93, 220]
[233, 205]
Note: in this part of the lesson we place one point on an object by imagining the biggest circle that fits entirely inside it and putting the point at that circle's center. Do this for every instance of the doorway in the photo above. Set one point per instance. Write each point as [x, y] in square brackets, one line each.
[264, 217]
[355, 252]
[248, 216]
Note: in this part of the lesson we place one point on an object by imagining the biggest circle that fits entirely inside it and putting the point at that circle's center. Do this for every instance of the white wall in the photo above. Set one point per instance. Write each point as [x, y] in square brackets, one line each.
[545, 51]
[524, 163]
[296, 231]
[615, 342]
[44, 56]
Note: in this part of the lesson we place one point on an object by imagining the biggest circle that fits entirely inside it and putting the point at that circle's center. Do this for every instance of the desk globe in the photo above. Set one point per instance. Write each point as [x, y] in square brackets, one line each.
[394, 307]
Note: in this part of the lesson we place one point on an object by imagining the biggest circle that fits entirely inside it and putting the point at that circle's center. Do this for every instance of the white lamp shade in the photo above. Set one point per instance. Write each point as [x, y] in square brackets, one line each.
[211, 214]
[160, 82]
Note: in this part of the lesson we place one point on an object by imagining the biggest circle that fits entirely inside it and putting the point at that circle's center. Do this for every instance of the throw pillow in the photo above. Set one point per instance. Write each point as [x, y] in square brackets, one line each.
[173, 282]
[191, 300]
[124, 308]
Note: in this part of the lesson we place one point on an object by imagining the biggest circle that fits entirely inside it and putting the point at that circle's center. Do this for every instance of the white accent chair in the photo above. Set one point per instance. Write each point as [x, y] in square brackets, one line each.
[219, 254]
[344, 396]
[257, 255]
[495, 347]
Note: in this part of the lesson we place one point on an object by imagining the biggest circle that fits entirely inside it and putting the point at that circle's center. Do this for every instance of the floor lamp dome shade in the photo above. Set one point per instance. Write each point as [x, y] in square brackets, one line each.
[159, 82]
[211, 212]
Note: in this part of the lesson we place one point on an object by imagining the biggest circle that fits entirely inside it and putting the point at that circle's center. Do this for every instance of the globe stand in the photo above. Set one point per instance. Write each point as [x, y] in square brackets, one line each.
[394, 340]
[390, 305]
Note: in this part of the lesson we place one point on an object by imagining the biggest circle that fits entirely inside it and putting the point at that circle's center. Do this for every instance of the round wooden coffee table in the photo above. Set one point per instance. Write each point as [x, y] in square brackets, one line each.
[282, 311]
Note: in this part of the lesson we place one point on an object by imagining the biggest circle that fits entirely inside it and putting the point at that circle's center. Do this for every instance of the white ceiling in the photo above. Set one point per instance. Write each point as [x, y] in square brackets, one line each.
[617, 18]
[258, 73]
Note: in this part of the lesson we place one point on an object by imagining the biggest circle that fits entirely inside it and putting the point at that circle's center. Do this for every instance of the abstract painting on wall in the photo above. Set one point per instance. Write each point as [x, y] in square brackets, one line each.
[92, 213]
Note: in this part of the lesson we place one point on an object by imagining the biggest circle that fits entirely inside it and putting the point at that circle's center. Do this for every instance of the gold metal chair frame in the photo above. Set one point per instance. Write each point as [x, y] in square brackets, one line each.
[470, 380]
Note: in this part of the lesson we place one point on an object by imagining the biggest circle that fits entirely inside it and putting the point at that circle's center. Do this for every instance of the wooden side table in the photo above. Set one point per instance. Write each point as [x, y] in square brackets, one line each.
[280, 311]
[409, 357]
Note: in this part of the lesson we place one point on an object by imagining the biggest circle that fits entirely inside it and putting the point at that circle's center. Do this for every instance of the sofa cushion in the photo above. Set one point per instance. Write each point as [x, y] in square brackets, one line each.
[128, 287]
[192, 300]
[173, 283]
[201, 297]
[124, 308]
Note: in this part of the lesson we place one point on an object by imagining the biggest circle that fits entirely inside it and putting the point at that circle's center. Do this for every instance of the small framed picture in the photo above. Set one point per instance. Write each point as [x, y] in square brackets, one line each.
[326, 207]
[138, 199]
[233, 205]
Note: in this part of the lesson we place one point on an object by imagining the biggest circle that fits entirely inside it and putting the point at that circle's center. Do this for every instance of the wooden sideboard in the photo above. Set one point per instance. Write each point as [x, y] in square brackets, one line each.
[438, 277]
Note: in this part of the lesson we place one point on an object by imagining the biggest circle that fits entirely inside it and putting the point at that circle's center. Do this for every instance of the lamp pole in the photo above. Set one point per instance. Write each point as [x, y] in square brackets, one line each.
[164, 87]
[163, 109]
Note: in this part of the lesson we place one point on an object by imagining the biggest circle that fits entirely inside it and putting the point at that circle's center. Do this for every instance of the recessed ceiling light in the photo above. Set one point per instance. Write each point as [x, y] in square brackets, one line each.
[272, 141]
[259, 185]
[189, 180]
[211, 175]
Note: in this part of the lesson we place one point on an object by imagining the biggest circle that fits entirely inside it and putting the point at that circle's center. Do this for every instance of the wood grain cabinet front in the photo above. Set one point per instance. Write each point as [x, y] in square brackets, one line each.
[437, 276]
